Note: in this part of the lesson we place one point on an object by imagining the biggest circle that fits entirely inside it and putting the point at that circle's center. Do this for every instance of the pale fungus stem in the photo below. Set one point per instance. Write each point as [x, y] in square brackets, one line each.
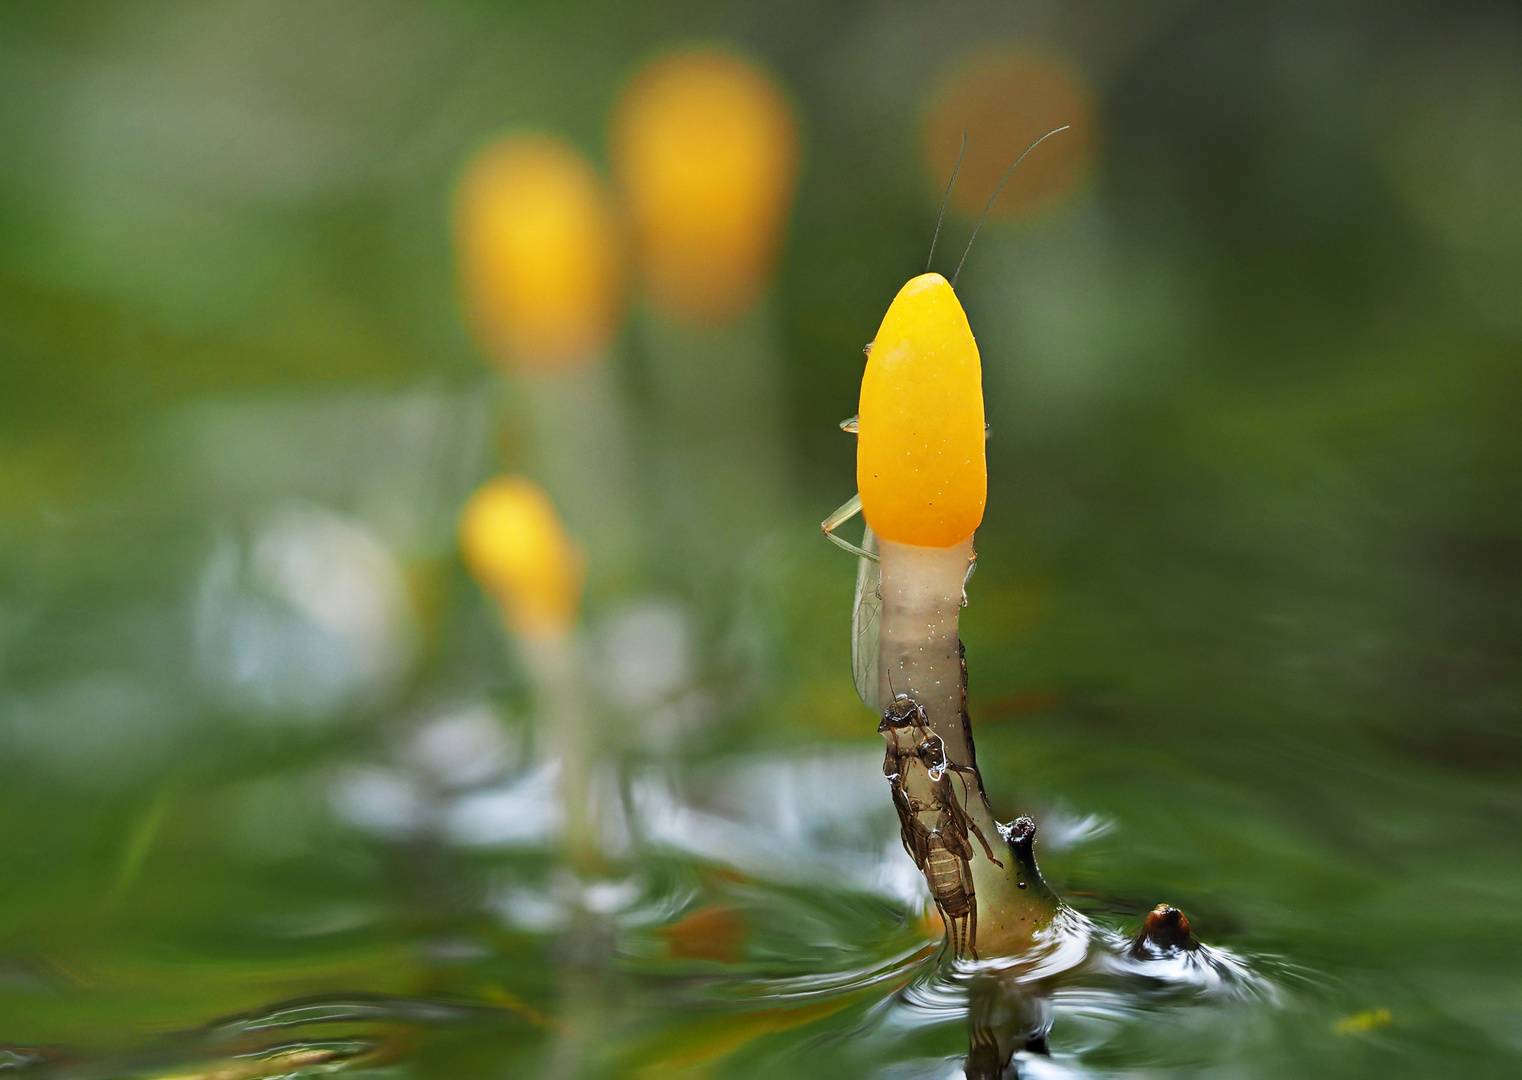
[920, 655]
[919, 645]
[563, 722]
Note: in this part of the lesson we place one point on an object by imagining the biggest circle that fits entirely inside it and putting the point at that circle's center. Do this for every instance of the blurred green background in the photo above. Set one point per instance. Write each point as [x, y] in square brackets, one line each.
[1248, 617]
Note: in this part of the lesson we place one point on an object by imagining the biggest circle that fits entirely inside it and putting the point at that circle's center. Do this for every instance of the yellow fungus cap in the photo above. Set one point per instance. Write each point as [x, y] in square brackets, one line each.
[706, 149]
[920, 464]
[539, 254]
[516, 548]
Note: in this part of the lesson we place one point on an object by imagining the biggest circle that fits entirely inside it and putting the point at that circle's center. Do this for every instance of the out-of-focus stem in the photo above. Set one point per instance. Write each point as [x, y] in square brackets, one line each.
[920, 655]
[579, 450]
[564, 725]
[715, 430]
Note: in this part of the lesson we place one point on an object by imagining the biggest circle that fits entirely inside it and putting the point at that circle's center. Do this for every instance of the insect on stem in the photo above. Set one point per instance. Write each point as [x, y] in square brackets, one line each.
[990, 205]
[944, 200]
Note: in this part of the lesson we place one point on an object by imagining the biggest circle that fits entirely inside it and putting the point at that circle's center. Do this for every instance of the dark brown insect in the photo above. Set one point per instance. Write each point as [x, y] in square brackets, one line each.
[933, 822]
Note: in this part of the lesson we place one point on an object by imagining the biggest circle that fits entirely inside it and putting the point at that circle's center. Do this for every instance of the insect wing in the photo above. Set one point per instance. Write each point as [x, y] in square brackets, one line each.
[866, 617]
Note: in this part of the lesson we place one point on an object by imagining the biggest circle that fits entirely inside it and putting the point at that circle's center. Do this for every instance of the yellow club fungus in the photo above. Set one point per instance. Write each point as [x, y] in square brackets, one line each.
[706, 150]
[515, 546]
[539, 254]
[920, 465]
[922, 485]
[922, 482]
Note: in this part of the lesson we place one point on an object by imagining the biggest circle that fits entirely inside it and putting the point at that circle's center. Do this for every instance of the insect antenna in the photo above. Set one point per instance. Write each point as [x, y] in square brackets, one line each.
[944, 200]
[998, 189]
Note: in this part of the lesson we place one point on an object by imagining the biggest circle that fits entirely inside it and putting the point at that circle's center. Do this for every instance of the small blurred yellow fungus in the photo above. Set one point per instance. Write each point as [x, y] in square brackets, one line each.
[1359, 1022]
[1004, 99]
[515, 546]
[920, 463]
[706, 149]
[539, 254]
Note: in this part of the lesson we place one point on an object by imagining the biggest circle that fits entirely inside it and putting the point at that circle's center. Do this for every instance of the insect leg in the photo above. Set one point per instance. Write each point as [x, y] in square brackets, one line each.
[956, 931]
[965, 819]
[972, 910]
[845, 513]
[984, 841]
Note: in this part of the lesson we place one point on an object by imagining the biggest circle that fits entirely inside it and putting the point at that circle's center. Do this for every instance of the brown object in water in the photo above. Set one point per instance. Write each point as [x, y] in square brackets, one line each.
[1165, 931]
[710, 933]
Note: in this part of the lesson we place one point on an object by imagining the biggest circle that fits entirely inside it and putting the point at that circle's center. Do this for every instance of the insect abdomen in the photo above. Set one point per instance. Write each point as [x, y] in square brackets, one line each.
[943, 873]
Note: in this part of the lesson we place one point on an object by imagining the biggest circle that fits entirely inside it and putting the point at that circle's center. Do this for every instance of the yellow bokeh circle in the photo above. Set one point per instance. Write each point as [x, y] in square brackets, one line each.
[706, 150]
[539, 254]
[1004, 100]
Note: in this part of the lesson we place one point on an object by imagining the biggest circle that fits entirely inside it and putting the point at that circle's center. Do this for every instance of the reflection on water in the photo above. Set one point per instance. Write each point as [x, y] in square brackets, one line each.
[755, 908]
[310, 1037]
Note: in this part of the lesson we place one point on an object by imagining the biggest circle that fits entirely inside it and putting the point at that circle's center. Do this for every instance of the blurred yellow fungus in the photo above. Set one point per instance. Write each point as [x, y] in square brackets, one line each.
[706, 149]
[539, 254]
[1003, 99]
[516, 548]
[920, 463]
[1368, 1020]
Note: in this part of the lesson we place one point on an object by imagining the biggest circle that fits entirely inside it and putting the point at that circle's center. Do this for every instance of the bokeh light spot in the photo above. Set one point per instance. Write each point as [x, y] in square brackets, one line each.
[540, 260]
[1004, 100]
[706, 149]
